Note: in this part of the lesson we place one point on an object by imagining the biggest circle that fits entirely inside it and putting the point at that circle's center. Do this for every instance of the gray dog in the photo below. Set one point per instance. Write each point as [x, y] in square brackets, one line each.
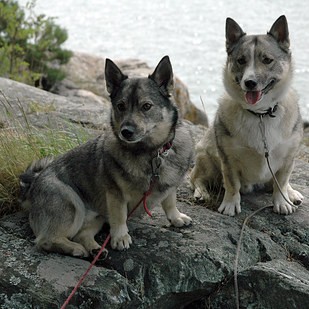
[145, 148]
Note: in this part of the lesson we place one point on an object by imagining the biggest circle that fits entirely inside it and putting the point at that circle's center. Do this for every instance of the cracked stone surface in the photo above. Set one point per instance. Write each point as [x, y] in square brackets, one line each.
[168, 267]
[165, 267]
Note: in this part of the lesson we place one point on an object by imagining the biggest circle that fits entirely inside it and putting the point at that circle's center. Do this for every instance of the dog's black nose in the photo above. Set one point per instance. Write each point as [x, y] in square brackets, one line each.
[250, 84]
[127, 132]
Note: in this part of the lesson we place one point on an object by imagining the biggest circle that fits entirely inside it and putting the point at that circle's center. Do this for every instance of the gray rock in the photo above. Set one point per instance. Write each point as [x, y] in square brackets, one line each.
[167, 267]
[42, 108]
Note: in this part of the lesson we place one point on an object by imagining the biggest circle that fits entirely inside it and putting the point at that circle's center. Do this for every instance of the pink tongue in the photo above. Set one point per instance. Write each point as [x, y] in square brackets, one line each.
[253, 96]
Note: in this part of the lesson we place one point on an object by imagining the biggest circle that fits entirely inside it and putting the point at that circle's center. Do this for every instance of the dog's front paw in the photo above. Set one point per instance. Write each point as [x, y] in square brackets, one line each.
[282, 207]
[181, 220]
[120, 239]
[295, 197]
[230, 206]
[286, 207]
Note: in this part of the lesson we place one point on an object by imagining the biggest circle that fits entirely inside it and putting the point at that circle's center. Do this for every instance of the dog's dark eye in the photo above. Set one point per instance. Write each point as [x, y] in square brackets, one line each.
[241, 60]
[146, 107]
[267, 60]
[121, 107]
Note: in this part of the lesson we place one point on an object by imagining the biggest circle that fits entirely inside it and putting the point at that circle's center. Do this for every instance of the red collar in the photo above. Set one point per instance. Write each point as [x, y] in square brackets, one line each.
[165, 148]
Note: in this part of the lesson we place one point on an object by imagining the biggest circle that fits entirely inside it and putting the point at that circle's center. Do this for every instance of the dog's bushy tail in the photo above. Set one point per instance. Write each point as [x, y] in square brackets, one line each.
[26, 179]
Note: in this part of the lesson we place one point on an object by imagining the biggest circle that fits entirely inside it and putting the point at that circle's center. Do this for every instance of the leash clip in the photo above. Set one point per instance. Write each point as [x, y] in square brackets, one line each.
[164, 151]
[156, 163]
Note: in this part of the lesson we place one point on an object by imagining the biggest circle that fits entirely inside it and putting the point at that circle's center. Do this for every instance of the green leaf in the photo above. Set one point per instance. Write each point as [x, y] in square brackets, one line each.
[32, 46]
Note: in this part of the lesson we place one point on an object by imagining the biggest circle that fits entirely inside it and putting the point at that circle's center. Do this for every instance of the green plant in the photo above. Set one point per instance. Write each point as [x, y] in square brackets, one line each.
[30, 45]
[21, 143]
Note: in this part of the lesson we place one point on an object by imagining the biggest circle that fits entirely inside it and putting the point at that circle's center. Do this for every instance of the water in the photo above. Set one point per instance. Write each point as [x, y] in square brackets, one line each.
[191, 32]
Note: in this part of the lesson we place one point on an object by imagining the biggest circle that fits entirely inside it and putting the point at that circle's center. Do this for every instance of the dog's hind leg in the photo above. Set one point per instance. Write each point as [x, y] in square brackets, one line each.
[92, 225]
[62, 245]
[200, 191]
[231, 200]
[198, 184]
[56, 215]
[174, 216]
[55, 237]
[205, 175]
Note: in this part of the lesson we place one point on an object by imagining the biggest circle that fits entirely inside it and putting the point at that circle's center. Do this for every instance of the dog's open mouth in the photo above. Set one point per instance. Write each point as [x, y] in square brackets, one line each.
[252, 97]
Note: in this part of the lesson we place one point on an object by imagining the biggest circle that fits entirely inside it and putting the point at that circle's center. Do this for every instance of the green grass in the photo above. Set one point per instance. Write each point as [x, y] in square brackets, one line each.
[21, 143]
[36, 107]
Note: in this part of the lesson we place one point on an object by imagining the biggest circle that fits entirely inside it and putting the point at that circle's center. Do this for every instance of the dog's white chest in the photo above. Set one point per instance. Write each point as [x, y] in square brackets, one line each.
[250, 148]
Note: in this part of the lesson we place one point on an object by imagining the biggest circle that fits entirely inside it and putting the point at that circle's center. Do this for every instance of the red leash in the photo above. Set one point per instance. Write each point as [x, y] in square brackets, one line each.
[80, 281]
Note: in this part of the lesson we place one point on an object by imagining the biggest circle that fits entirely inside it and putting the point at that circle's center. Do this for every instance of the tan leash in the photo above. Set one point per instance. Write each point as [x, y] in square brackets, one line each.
[266, 154]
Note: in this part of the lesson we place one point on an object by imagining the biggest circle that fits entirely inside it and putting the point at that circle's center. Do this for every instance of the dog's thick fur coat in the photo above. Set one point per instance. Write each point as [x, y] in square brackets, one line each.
[71, 196]
[258, 97]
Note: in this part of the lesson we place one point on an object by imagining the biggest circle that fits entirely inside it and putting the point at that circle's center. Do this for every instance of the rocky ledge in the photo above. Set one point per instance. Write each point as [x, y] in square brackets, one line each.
[165, 267]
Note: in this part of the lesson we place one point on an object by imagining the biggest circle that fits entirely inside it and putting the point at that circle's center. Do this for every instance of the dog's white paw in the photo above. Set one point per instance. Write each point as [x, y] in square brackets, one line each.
[201, 195]
[200, 192]
[79, 251]
[197, 194]
[281, 206]
[120, 239]
[295, 197]
[230, 205]
[181, 220]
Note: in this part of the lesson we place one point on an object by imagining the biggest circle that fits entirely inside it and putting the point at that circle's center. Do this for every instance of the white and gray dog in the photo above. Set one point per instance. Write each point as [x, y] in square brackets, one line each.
[259, 106]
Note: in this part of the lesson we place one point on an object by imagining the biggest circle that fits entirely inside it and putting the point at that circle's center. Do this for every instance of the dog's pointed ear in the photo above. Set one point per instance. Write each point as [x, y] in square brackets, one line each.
[233, 33]
[280, 32]
[113, 76]
[163, 76]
